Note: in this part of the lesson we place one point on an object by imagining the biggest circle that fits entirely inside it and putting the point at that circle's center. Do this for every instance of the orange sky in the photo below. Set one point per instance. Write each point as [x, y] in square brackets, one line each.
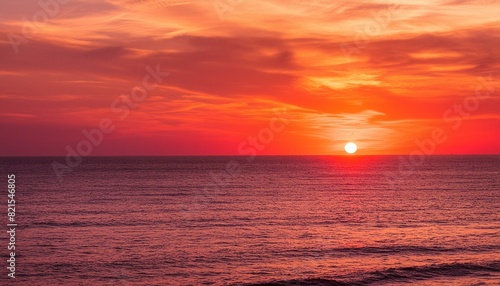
[380, 73]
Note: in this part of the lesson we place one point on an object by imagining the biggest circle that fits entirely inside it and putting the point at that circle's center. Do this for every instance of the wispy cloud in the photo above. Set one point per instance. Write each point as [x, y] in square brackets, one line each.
[413, 61]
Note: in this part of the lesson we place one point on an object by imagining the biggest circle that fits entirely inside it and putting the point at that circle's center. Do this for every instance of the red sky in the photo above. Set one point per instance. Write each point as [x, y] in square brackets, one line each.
[380, 73]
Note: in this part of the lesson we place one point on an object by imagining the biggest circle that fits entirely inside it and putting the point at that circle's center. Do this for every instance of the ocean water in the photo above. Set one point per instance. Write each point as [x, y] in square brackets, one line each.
[278, 220]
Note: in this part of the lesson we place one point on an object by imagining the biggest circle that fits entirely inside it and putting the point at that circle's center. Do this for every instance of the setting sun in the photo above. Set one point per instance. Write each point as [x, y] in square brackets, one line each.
[350, 148]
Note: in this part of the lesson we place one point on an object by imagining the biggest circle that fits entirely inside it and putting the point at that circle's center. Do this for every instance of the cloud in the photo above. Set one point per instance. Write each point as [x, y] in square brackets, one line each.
[414, 63]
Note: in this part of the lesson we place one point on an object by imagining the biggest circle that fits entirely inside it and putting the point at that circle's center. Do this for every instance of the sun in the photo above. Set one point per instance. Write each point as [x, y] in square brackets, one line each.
[350, 148]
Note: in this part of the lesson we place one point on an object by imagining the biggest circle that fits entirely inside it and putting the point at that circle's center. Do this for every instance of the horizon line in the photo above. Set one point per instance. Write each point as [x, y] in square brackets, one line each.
[267, 155]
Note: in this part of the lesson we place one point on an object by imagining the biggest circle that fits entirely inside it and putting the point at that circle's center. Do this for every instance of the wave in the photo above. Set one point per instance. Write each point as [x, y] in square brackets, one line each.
[51, 224]
[403, 274]
[412, 249]
[383, 250]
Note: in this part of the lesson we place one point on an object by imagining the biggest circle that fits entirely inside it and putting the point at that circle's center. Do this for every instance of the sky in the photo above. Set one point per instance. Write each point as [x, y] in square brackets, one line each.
[234, 77]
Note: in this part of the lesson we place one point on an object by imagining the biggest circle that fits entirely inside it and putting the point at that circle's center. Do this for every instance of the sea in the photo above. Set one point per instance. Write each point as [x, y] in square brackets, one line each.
[265, 220]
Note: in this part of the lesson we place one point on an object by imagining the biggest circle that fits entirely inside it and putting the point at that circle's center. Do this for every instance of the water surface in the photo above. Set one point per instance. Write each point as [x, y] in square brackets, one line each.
[303, 220]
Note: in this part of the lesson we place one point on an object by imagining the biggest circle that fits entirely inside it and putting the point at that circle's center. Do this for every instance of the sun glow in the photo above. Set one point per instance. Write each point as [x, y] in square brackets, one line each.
[350, 148]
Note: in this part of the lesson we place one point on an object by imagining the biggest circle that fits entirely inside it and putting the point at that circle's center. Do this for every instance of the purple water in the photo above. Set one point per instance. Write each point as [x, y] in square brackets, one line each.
[304, 220]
